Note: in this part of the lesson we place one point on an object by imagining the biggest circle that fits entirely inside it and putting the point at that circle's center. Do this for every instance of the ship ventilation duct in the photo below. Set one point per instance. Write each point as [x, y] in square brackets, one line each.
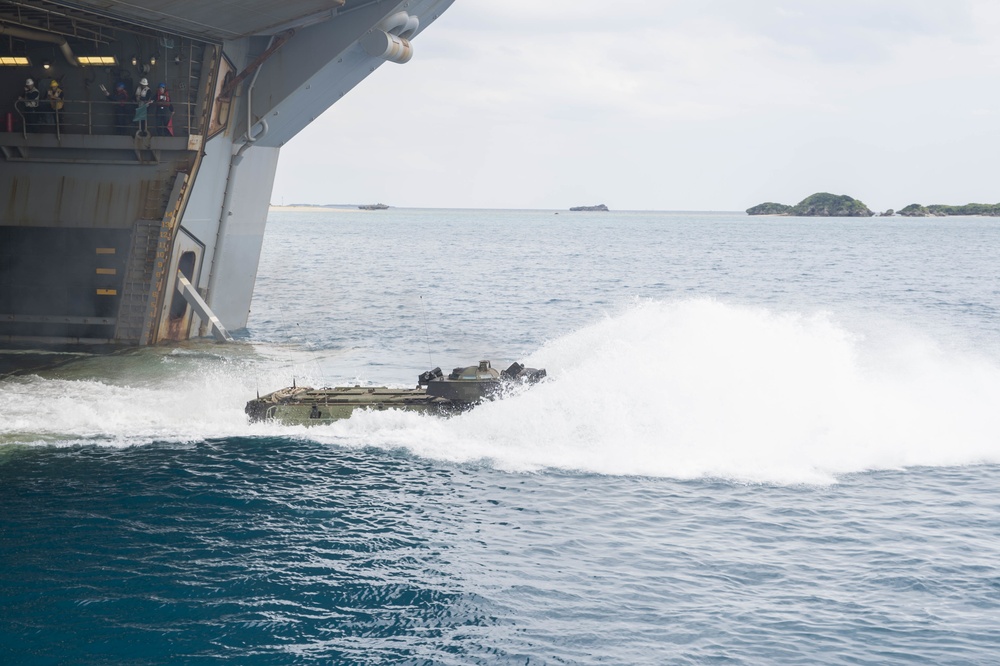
[39, 36]
[381, 44]
[391, 38]
[400, 24]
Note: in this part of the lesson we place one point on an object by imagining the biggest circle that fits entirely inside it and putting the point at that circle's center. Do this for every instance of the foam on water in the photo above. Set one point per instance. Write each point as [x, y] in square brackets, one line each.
[684, 389]
[699, 388]
[178, 397]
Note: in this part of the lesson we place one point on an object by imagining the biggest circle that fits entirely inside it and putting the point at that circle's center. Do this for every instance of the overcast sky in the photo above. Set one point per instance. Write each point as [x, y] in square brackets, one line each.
[669, 105]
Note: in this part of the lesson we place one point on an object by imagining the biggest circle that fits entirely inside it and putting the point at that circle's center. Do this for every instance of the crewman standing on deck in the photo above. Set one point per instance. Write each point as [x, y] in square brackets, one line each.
[30, 97]
[55, 98]
[164, 111]
[123, 115]
[143, 98]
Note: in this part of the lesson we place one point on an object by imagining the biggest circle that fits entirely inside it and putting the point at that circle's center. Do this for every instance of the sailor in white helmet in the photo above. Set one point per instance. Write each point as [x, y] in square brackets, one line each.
[143, 98]
[30, 98]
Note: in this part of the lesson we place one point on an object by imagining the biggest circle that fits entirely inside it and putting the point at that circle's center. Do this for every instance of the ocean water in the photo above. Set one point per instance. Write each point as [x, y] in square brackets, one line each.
[762, 441]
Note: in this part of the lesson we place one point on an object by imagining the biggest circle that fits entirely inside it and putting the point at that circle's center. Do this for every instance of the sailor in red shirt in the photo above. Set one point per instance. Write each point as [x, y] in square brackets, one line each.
[164, 111]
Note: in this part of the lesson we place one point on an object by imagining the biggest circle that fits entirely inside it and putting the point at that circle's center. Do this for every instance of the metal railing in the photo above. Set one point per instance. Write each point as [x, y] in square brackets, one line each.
[102, 117]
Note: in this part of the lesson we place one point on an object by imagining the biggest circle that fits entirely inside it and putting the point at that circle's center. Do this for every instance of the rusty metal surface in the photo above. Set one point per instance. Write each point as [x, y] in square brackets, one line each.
[214, 21]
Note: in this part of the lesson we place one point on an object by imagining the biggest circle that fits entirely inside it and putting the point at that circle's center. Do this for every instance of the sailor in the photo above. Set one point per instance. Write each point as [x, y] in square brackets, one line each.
[123, 116]
[55, 99]
[30, 98]
[314, 413]
[143, 98]
[164, 111]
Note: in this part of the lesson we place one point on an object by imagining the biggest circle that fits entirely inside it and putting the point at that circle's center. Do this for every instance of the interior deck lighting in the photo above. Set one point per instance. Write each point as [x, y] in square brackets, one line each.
[14, 61]
[97, 61]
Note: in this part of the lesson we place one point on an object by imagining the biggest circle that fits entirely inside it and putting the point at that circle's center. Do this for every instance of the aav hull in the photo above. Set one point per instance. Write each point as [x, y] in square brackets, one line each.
[435, 394]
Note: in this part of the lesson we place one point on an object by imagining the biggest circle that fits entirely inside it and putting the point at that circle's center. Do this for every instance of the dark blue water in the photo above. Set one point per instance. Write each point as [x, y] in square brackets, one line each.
[763, 441]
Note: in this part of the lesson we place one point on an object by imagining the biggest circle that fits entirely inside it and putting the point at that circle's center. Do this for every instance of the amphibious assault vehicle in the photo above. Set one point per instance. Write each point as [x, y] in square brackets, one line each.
[435, 393]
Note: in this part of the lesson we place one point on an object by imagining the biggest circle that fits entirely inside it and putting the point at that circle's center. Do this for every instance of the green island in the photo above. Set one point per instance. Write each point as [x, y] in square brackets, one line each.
[821, 204]
[940, 210]
[824, 204]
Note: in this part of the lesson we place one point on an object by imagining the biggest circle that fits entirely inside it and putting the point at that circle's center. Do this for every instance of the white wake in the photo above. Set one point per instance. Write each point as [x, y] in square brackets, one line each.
[702, 389]
[683, 390]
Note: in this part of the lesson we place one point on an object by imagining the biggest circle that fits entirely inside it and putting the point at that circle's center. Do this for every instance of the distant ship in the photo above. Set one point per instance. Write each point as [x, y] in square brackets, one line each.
[121, 231]
[378, 206]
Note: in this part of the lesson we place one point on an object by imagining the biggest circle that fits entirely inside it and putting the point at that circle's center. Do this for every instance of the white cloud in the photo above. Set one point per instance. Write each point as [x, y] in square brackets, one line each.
[670, 105]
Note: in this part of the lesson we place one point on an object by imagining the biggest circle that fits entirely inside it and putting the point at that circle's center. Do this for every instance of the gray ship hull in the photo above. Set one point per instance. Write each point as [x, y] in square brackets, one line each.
[117, 233]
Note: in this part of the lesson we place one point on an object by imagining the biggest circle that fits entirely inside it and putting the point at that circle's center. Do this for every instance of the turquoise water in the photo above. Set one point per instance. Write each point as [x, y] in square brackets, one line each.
[763, 441]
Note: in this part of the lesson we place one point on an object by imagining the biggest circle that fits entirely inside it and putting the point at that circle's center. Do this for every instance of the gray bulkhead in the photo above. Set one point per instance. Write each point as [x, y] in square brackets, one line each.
[105, 221]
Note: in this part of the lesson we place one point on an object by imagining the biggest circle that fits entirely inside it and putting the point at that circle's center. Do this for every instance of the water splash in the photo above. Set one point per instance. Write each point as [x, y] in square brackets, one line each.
[703, 389]
[155, 395]
[684, 390]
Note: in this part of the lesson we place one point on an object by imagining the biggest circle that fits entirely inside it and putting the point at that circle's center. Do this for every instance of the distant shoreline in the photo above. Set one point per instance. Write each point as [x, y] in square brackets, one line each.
[824, 204]
[353, 208]
[349, 208]
[309, 208]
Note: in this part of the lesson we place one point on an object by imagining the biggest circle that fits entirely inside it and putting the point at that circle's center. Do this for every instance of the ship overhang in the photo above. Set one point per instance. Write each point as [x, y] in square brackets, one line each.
[107, 203]
[217, 21]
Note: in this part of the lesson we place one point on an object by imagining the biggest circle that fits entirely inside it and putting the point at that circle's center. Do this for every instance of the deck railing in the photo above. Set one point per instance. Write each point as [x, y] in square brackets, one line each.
[101, 117]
